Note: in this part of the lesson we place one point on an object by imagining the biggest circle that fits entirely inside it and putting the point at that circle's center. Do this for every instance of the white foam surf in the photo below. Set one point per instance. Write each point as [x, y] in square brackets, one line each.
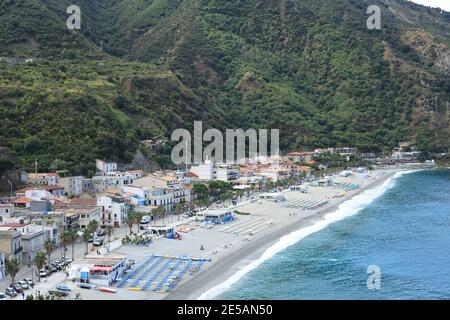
[345, 209]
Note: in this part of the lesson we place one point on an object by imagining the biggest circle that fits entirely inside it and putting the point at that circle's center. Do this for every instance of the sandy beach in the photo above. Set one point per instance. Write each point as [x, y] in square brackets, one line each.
[226, 263]
[232, 247]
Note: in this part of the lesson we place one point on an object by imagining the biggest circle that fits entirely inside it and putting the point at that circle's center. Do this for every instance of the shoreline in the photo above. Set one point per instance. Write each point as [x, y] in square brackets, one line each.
[225, 267]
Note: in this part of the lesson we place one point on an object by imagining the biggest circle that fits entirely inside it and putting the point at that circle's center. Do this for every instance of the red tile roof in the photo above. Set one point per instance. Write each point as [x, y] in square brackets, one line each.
[83, 202]
[22, 200]
[191, 175]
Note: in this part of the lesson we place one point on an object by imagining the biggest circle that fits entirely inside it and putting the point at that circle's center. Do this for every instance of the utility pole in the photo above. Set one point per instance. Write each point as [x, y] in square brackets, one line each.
[10, 183]
[35, 171]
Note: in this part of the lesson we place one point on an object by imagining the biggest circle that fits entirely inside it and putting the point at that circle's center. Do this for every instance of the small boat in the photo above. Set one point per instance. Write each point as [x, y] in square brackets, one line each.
[86, 285]
[135, 289]
[63, 288]
[107, 290]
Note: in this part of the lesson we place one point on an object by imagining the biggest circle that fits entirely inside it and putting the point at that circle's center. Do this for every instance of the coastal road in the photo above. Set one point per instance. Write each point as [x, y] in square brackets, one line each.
[25, 271]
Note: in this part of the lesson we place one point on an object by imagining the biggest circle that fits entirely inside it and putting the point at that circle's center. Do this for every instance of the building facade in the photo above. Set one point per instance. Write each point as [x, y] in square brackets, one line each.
[73, 186]
[11, 242]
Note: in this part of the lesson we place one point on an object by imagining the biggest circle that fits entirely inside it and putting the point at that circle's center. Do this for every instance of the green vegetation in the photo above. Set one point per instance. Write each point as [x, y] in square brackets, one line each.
[310, 68]
[213, 191]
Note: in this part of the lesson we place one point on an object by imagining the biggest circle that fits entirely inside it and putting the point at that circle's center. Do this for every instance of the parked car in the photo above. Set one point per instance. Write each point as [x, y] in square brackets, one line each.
[98, 242]
[53, 269]
[17, 287]
[43, 273]
[30, 282]
[101, 233]
[57, 265]
[2, 296]
[24, 285]
[11, 292]
[146, 220]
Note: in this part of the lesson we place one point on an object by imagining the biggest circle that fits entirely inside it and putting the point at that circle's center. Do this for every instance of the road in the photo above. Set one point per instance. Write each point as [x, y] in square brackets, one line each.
[25, 271]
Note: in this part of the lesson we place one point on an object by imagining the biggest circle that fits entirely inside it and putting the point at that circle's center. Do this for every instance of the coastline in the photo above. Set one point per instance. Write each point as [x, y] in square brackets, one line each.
[228, 265]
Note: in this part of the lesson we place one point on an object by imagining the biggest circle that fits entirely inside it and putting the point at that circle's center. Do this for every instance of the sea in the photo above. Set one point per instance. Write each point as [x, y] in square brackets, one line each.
[390, 242]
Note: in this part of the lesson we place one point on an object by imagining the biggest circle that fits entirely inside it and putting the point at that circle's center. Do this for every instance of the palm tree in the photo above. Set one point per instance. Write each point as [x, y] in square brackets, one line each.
[66, 238]
[130, 221]
[49, 246]
[39, 262]
[92, 227]
[73, 238]
[86, 237]
[160, 212]
[109, 231]
[179, 210]
[137, 219]
[12, 266]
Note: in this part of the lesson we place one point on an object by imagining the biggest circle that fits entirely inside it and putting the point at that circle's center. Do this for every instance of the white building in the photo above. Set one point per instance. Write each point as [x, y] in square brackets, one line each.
[104, 167]
[181, 192]
[33, 237]
[73, 186]
[6, 211]
[140, 196]
[226, 173]
[45, 179]
[114, 210]
[162, 198]
[204, 171]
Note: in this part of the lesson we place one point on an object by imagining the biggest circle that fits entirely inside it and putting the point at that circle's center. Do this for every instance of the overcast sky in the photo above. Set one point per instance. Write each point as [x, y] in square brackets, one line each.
[443, 4]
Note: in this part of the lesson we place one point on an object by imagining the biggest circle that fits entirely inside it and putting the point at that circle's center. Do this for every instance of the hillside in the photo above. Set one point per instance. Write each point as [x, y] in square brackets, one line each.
[308, 67]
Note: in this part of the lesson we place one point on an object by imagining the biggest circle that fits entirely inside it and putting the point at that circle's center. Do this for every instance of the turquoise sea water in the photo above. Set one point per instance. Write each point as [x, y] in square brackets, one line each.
[405, 232]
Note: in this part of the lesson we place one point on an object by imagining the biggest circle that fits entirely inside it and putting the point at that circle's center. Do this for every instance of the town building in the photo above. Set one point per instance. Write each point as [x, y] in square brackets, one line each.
[177, 183]
[105, 167]
[73, 186]
[301, 156]
[56, 190]
[43, 179]
[86, 215]
[6, 211]
[204, 171]
[11, 242]
[227, 173]
[33, 238]
[114, 210]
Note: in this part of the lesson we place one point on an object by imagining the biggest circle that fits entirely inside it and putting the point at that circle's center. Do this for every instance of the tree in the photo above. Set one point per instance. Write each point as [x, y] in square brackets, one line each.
[86, 237]
[12, 266]
[92, 227]
[179, 208]
[109, 231]
[39, 262]
[130, 221]
[49, 246]
[137, 217]
[160, 212]
[66, 238]
[73, 238]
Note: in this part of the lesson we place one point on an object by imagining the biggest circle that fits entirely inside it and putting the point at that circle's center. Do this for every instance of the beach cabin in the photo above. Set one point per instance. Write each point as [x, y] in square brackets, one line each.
[101, 271]
[273, 197]
[216, 215]
[162, 231]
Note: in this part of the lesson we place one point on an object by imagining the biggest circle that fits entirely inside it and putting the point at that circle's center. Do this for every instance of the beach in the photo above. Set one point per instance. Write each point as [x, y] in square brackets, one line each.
[261, 229]
[236, 259]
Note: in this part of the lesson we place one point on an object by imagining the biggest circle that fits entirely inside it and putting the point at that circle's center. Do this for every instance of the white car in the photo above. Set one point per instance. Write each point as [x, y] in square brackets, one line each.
[24, 285]
[3, 296]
